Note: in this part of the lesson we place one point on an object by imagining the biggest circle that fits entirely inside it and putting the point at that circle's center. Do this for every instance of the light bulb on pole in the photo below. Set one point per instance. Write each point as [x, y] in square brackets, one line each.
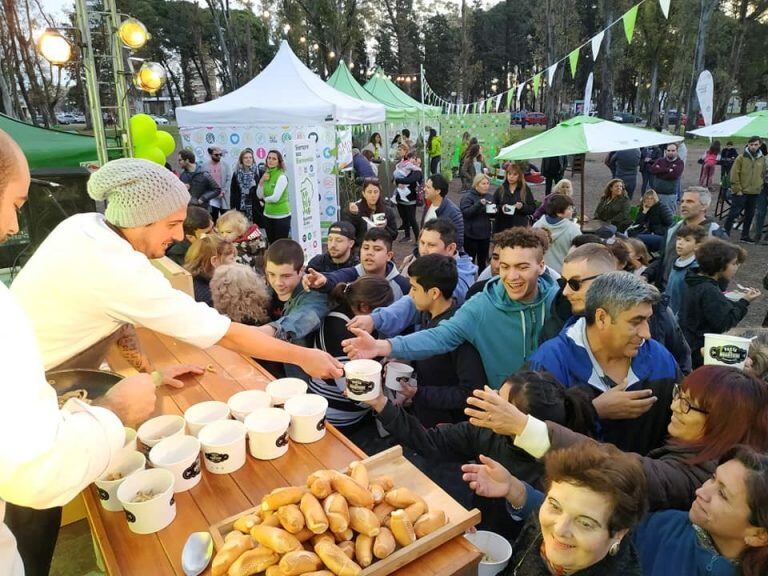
[133, 34]
[150, 77]
[54, 47]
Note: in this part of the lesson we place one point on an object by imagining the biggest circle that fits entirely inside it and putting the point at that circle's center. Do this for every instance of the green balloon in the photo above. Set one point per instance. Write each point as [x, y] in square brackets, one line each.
[143, 130]
[165, 142]
[151, 153]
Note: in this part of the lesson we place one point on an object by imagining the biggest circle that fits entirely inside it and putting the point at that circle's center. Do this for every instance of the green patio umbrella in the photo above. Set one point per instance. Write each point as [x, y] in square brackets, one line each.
[754, 124]
[581, 135]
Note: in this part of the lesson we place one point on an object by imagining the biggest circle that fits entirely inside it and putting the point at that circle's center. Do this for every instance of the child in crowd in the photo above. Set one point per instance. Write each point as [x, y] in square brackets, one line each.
[360, 297]
[248, 239]
[706, 309]
[202, 259]
[687, 239]
[558, 221]
[197, 224]
[241, 294]
[639, 257]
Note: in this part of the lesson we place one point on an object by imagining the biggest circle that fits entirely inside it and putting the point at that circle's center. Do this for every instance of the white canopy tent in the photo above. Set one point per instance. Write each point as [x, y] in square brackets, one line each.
[287, 93]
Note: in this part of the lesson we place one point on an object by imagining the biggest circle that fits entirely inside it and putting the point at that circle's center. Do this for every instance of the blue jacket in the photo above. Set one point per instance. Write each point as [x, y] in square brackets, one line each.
[451, 212]
[567, 358]
[395, 318]
[400, 284]
[302, 315]
[668, 545]
[516, 327]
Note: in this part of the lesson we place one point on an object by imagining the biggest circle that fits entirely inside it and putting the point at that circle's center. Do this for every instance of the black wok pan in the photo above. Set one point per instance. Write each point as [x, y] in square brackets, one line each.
[96, 382]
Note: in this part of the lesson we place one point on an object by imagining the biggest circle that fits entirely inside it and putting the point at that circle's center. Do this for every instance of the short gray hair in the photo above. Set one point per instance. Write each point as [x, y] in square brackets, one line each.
[705, 196]
[617, 292]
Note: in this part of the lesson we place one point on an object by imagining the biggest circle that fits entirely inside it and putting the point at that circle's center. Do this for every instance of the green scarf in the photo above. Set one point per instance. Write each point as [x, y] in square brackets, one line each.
[280, 208]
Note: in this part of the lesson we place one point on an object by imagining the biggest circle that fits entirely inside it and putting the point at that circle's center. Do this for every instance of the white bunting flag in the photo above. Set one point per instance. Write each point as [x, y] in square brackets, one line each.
[498, 102]
[665, 7]
[597, 40]
[551, 74]
[519, 93]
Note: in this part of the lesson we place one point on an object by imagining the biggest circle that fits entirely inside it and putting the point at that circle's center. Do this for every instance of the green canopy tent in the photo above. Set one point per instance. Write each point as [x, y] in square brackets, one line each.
[45, 148]
[343, 81]
[385, 91]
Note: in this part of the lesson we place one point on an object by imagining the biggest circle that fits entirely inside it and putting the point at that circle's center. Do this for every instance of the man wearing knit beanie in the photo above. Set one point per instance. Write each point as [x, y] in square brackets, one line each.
[90, 282]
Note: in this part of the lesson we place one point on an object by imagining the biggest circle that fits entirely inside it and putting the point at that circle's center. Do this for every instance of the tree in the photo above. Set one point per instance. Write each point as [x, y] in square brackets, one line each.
[441, 53]
[385, 55]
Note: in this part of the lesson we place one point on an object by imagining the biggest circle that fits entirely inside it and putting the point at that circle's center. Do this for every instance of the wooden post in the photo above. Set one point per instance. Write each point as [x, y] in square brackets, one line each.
[577, 167]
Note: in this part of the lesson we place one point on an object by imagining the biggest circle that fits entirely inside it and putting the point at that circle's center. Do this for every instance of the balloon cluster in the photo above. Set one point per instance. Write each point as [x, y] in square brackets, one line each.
[150, 143]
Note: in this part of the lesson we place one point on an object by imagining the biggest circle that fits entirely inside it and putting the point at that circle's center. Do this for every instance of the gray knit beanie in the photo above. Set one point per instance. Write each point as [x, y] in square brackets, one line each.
[138, 192]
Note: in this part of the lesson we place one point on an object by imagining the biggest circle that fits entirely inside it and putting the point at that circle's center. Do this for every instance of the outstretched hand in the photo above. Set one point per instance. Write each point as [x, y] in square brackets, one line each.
[171, 374]
[488, 479]
[363, 345]
[493, 412]
[313, 280]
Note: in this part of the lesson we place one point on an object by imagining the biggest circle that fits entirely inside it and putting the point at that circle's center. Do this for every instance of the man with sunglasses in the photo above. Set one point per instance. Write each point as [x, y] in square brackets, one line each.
[221, 173]
[609, 353]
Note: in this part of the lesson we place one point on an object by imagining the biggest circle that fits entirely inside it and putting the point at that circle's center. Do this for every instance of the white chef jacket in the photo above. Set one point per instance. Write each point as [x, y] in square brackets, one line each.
[47, 455]
[85, 282]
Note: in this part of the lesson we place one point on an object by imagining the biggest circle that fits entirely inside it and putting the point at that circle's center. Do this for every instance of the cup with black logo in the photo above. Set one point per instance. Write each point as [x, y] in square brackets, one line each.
[180, 455]
[148, 500]
[223, 445]
[268, 432]
[307, 417]
[726, 350]
[123, 465]
[363, 379]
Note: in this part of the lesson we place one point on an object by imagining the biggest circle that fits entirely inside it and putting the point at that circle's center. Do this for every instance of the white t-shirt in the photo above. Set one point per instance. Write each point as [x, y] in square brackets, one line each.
[84, 282]
[47, 455]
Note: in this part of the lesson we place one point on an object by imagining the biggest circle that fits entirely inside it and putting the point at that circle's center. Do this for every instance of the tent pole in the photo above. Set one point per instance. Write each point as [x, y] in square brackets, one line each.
[583, 169]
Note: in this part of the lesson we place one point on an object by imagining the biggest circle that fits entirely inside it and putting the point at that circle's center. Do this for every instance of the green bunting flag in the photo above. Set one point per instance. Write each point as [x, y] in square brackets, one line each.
[536, 83]
[573, 59]
[509, 100]
[629, 22]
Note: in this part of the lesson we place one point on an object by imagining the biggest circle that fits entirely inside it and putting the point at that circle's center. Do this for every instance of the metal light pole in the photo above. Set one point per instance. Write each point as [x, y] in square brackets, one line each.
[121, 89]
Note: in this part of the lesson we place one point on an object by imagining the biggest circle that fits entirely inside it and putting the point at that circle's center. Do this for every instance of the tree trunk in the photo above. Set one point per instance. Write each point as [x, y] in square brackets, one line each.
[653, 96]
[605, 103]
[705, 16]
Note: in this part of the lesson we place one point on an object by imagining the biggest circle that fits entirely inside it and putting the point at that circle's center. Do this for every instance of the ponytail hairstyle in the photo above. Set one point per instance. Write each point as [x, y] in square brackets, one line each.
[369, 291]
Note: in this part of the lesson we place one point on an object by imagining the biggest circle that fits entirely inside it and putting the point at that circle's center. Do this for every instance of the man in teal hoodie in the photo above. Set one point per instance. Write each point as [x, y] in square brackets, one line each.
[503, 322]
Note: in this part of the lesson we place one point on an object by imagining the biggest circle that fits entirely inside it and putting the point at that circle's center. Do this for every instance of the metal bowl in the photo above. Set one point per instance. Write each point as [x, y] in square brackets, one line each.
[96, 382]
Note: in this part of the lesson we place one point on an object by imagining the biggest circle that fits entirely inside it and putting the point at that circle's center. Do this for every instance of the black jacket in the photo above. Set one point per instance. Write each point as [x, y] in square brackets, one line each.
[446, 380]
[477, 223]
[235, 197]
[323, 263]
[202, 187]
[521, 217]
[656, 221]
[361, 226]
[178, 251]
[461, 443]
[707, 310]
[413, 180]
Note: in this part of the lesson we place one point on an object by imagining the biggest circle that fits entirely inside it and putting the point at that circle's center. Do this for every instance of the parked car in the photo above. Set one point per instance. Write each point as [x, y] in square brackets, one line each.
[160, 120]
[672, 117]
[64, 118]
[626, 118]
[78, 118]
[536, 118]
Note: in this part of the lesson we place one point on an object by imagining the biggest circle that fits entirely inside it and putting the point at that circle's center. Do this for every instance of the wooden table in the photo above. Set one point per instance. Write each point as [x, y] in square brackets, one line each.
[219, 496]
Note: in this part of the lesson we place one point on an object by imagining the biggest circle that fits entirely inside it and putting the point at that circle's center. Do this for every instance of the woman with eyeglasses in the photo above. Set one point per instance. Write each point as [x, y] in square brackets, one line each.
[614, 205]
[372, 210]
[713, 409]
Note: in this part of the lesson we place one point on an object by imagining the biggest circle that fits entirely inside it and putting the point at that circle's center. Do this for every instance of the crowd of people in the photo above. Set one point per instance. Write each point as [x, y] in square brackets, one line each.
[559, 367]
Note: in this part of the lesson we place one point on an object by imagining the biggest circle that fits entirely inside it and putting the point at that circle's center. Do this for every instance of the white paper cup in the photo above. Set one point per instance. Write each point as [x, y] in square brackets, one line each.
[491, 208]
[204, 413]
[725, 350]
[155, 514]
[379, 218]
[496, 551]
[126, 463]
[284, 388]
[363, 379]
[155, 429]
[180, 455]
[245, 402]
[268, 432]
[397, 374]
[223, 445]
[508, 209]
[307, 417]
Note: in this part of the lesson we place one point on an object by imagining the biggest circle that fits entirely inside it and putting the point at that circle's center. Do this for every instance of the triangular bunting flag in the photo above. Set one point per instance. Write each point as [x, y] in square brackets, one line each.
[665, 7]
[509, 99]
[519, 93]
[573, 60]
[551, 74]
[629, 19]
[498, 102]
[536, 83]
[466, 109]
[597, 40]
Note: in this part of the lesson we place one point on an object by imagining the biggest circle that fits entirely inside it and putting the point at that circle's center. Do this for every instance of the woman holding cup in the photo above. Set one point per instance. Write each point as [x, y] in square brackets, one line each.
[477, 208]
[372, 210]
[514, 200]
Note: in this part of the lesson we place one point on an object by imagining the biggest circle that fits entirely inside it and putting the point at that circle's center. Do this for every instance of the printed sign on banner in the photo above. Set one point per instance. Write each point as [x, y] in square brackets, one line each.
[344, 148]
[305, 201]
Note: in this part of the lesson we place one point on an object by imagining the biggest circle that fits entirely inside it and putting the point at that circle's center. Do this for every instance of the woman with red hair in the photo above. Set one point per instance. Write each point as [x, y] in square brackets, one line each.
[713, 409]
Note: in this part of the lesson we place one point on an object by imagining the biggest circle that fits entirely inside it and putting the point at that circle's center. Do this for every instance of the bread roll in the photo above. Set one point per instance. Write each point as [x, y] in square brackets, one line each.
[326, 536]
[305, 535]
[355, 494]
[402, 528]
[348, 547]
[359, 473]
[314, 515]
[291, 518]
[273, 570]
[429, 522]
[377, 492]
[318, 573]
[275, 539]
[401, 497]
[337, 512]
[364, 550]
[321, 488]
[385, 482]
[299, 562]
[364, 521]
[384, 543]
[336, 560]
[383, 511]
[253, 562]
[416, 510]
[234, 545]
[271, 519]
[245, 523]
[344, 536]
[282, 497]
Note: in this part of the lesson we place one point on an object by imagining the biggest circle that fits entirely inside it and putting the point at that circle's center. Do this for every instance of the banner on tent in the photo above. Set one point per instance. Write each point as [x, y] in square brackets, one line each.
[262, 139]
[344, 148]
[305, 203]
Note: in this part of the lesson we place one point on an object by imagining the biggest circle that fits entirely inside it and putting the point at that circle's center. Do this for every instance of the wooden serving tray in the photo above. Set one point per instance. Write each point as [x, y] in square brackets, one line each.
[405, 474]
